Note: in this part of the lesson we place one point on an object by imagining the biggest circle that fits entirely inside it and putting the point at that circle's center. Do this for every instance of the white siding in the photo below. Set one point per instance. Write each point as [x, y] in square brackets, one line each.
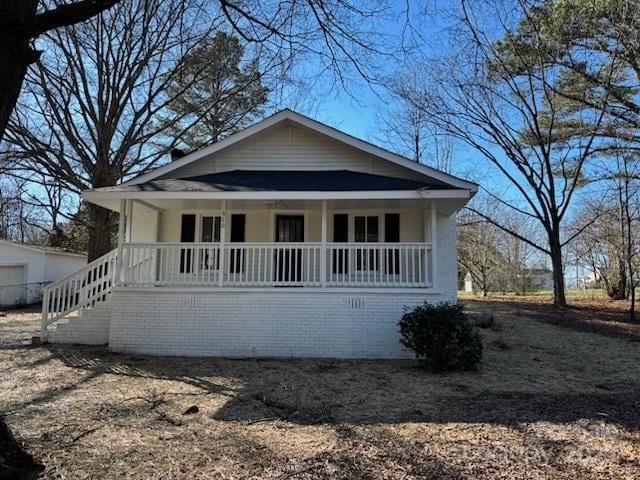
[33, 259]
[144, 224]
[12, 289]
[447, 251]
[39, 267]
[59, 265]
[292, 148]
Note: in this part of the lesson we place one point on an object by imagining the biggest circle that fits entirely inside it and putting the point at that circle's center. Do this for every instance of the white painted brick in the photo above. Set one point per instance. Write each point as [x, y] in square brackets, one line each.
[266, 324]
[90, 328]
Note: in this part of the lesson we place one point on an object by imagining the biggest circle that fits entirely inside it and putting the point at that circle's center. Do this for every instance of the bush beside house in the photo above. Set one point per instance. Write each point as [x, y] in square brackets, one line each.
[441, 336]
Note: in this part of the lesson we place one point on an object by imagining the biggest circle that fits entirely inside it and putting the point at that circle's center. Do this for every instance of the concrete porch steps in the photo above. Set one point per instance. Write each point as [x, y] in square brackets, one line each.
[90, 326]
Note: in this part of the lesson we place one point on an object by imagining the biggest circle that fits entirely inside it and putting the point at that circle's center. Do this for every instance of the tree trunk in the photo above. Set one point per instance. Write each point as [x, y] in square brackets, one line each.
[559, 298]
[101, 230]
[619, 290]
[15, 54]
[14, 62]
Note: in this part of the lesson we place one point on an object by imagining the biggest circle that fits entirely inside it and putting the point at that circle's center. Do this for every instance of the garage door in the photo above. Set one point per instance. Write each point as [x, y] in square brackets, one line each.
[11, 284]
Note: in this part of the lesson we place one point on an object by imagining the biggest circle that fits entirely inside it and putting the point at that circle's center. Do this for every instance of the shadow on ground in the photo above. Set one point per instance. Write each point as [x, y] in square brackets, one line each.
[311, 392]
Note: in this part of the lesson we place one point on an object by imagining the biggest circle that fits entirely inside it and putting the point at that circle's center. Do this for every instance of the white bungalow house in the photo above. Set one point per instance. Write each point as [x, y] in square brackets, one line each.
[289, 238]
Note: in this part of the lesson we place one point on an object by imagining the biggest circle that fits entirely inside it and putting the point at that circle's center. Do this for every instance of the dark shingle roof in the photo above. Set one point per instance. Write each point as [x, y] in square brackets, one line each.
[283, 180]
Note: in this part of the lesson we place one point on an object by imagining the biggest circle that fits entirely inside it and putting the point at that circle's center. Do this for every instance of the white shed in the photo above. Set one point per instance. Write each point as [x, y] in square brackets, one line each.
[25, 269]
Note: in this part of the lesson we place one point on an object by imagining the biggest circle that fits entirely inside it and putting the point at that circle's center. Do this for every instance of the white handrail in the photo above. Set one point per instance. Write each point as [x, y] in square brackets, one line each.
[81, 289]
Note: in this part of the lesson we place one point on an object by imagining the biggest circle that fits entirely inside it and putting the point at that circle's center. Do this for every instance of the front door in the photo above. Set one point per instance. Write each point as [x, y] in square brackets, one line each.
[289, 229]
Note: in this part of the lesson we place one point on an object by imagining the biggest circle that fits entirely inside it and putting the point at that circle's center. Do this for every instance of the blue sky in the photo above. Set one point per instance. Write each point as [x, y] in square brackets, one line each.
[356, 112]
[358, 116]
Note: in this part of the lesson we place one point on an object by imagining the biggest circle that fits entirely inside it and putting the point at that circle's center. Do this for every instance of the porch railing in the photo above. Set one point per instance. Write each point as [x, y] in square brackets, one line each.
[277, 264]
[378, 265]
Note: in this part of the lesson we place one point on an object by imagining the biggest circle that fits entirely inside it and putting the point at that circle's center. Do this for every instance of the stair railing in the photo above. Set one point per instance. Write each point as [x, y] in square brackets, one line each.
[84, 288]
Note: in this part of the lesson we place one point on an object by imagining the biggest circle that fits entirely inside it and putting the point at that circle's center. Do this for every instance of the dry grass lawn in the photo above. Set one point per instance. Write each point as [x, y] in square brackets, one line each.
[548, 402]
[586, 311]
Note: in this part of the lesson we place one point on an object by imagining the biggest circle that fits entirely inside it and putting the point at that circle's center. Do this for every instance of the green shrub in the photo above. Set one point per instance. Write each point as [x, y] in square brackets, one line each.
[441, 336]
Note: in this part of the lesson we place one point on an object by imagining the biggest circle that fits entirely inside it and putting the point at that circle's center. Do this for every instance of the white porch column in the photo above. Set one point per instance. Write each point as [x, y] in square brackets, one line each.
[434, 243]
[323, 247]
[121, 224]
[223, 236]
[129, 231]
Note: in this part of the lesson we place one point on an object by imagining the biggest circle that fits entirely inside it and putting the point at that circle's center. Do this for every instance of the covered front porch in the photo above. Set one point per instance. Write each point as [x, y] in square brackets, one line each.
[269, 243]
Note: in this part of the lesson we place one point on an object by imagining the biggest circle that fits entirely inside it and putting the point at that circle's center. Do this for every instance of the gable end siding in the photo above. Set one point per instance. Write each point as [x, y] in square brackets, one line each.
[292, 148]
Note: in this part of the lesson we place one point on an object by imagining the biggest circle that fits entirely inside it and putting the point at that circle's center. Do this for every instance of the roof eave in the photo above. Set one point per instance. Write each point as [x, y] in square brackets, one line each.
[91, 195]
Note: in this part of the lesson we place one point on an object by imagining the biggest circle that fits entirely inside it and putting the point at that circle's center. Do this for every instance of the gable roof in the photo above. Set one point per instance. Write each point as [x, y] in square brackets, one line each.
[314, 125]
[35, 248]
[282, 180]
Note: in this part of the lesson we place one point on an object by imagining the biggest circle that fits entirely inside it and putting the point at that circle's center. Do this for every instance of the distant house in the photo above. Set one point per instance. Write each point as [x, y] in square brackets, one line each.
[288, 238]
[25, 269]
[529, 279]
[581, 277]
[468, 283]
[538, 278]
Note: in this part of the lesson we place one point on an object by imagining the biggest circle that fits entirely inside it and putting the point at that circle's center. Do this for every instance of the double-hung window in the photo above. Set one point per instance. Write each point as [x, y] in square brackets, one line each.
[210, 233]
[366, 231]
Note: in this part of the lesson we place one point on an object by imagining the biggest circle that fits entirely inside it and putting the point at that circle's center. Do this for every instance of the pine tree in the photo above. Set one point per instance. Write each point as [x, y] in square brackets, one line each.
[217, 93]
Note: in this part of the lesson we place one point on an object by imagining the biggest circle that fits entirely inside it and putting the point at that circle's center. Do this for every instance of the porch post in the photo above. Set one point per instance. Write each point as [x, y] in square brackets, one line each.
[129, 231]
[223, 235]
[121, 224]
[323, 247]
[434, 243]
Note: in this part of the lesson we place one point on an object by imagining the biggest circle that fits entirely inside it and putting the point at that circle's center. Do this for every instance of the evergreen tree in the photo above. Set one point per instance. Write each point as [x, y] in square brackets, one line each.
[217, 93]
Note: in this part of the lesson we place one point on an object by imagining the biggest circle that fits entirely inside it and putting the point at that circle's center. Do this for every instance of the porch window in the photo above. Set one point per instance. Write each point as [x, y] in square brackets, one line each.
[211, 229]
[210, 233]
[366, 231]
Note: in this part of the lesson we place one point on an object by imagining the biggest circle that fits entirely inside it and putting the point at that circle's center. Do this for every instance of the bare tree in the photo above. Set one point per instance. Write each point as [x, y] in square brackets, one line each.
[20, 220]
[479, 251]
[405, 127]
[96, 97]
[340, 35]
[624, 173]
[496, 259]
[504, 106]
[402, 125]
[601, 244]
[53, 201]
[342, 38]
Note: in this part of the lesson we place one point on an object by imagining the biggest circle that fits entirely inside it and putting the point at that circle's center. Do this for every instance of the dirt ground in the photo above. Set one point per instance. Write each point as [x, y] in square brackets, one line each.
[548, 402]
